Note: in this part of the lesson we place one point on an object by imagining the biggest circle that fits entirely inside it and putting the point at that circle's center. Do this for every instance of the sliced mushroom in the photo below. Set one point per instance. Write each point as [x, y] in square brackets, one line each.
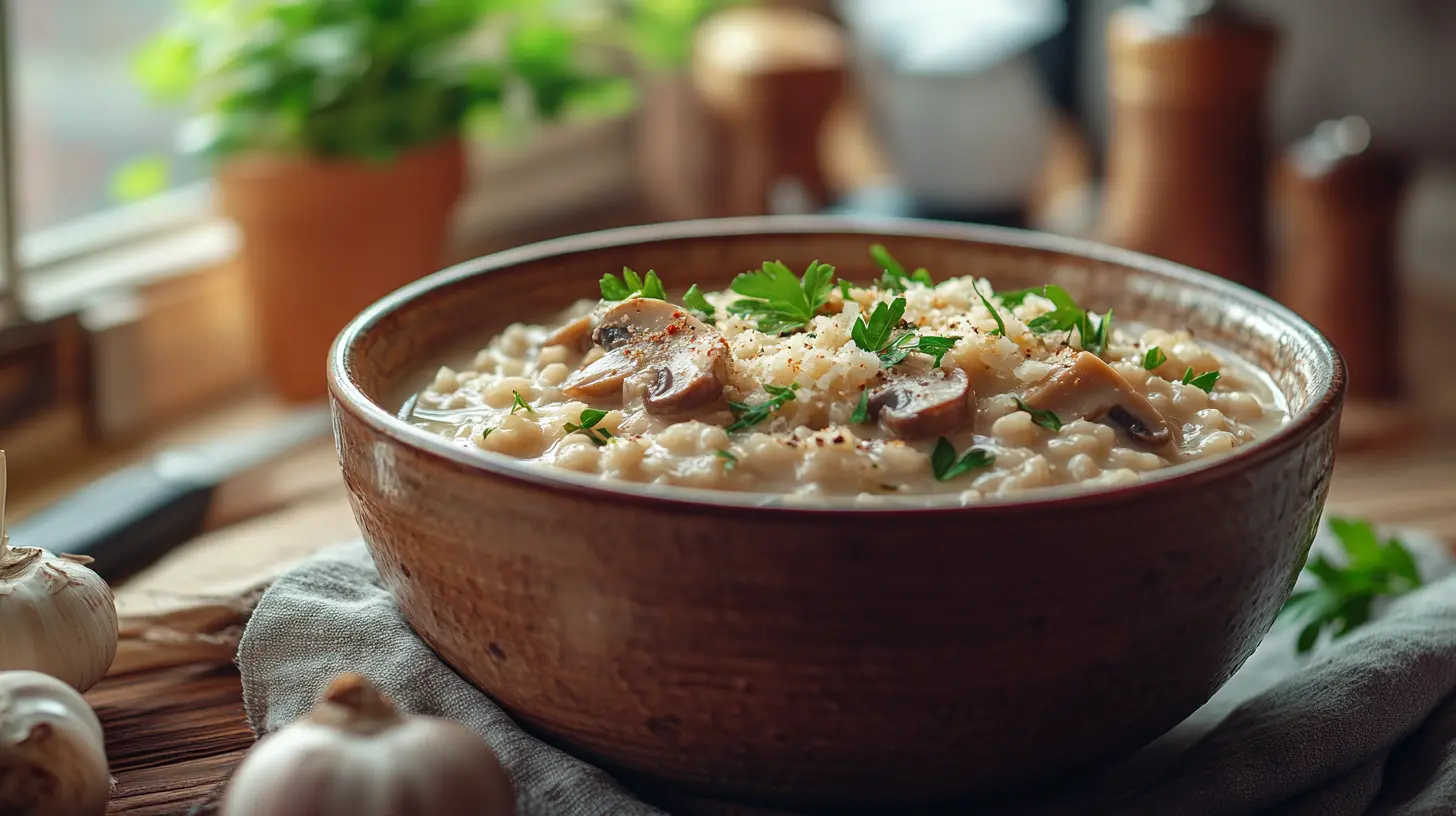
[1090, 389]
[576, 334]
[655, 351]
[917, 406]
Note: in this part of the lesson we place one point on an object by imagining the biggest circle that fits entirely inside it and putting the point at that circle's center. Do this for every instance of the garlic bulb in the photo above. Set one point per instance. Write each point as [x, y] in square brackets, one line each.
[356, 755]
[52, 755]
[56, 616]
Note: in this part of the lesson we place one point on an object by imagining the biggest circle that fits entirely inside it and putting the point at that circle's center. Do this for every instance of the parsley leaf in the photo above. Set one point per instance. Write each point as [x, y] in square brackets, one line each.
[943, 460]
[936, 347]
[861, 413]
[894, 352]
[777, 300]
[1016, 297]
[844, 287]
[485, 433]
[589, 419]
[1205, 381]
[1346, 594]
[729, 460]
[874, 334]
[1095, 338]
[895, 278]
[698, 304]
[750, 415]
[1066, 316]
[632, 284]
[518, 403]
[1046, 419]
[1000, 326]
[1154, 358]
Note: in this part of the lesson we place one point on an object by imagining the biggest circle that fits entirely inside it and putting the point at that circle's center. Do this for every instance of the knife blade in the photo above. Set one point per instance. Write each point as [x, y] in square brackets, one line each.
[128, 519]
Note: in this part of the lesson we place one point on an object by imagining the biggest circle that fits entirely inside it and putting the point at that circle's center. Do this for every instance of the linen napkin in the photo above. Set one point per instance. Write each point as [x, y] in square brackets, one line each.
[1364, 726]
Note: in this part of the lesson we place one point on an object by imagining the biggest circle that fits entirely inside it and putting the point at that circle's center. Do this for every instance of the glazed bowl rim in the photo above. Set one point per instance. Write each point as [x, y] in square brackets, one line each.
[345, 394]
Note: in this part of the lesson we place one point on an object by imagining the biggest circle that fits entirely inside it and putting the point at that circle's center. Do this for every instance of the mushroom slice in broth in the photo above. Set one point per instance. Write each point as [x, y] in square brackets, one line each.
[656, 352]
[922, 405]
[1086, 387]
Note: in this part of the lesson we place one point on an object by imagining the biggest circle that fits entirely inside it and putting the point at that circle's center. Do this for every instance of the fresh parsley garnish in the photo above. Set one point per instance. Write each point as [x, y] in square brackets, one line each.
[485, 433]
[882, 335]
[1204, 382]
[729, 460]
[946, 467]
[1046, 419]
[1154, 358]
[698, 304]
[632, 284]
[589, 419]
[1345, 595]
[1016, 297]
[1066, 316]
[1095, 336]
[518, 402]
[844, 287]
[895, 278]
[861, 413]
[777, 300]
[1000, 325]
[750, 415]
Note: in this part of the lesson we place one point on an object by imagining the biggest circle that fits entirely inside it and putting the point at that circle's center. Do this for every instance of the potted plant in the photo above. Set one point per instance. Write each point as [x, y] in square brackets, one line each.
[336, 130]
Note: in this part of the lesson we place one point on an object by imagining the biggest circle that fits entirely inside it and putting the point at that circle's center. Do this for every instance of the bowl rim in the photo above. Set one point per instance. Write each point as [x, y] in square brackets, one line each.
[345, 394]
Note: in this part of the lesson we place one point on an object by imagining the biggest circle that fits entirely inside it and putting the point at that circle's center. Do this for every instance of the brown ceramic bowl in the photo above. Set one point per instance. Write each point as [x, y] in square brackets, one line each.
[731, 646]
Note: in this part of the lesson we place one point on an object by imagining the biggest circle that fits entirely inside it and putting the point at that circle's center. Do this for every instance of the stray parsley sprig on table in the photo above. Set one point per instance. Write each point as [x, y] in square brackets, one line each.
[1204, 382]
[698, 304]
[1046, 419]
[946, 467]
[779, 301]
[632, 284]
[589, 419]
[1346, 594]
[1154, 358]
[895, 278]
[883, 335]
[750, 415]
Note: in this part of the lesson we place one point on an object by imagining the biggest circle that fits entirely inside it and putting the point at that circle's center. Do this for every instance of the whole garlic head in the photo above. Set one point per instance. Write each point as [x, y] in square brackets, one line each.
[356, 755]
[52, 755]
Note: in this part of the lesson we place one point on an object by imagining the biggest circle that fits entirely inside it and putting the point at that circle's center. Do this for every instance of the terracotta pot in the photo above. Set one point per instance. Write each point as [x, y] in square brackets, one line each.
[321, 240]
[734, 646]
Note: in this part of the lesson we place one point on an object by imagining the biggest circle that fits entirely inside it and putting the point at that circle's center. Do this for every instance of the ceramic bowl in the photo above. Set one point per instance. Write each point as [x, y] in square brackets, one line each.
[731, 646]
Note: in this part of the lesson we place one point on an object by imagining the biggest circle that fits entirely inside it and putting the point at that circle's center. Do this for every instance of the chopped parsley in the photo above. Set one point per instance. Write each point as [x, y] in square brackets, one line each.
[698, 304]
[1204, 382]
[777, 300]
[1000, 326]
[589, 419]
[946, 467]
[729, 460]
[936, 347]
[844, 287]
[485, 433]
[1016, 297]
[895, 278]
[1066, 316]
[750, 415]
[1046, 419]
[861, 413]
[1154, 358]
[1095, 337]
[883, 335]
[518, 403]
[631, 284]
[1346, 593]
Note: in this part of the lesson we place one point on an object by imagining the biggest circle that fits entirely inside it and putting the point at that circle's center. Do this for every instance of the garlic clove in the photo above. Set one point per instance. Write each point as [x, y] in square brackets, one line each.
[356, 754]
[56, 615]
[52, 752]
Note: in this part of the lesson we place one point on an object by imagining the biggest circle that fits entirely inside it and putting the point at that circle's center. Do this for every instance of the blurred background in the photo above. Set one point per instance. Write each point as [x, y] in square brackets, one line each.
[201, 192]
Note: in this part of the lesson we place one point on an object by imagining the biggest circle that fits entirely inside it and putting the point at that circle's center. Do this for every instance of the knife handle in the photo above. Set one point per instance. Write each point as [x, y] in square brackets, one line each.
[125, 520]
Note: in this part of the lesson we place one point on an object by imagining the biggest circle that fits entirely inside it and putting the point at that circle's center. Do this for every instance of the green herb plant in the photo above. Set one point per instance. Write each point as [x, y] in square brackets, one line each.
[894, 277]
[779, 301]
[884, 335]
[698, 304]
[751, 415]
[587, 424]
[660, 32]
[630, 284]
[1346, 593]
[946, 466]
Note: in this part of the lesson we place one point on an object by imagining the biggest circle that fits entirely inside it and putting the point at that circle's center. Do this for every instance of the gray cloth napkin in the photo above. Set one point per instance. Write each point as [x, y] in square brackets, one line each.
[1364, 725]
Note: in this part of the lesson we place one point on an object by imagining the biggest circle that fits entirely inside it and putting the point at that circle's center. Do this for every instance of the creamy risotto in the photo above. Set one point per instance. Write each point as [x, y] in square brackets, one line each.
[807, 385]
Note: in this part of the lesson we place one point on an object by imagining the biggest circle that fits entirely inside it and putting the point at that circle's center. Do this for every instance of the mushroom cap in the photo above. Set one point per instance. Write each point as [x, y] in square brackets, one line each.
[656, 352]
[922, 405]
[1088, 388]
[576, 334]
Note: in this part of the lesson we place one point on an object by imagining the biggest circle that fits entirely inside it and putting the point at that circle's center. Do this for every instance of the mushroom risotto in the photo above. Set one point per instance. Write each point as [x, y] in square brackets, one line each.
[812, 386]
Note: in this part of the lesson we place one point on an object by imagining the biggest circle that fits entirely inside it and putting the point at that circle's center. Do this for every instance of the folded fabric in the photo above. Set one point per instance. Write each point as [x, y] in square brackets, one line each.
[1364, 725]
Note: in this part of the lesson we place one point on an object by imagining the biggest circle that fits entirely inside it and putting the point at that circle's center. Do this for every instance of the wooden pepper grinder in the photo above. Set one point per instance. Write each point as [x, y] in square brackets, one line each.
[1186, 161]
[1339, 200]
[769, 76]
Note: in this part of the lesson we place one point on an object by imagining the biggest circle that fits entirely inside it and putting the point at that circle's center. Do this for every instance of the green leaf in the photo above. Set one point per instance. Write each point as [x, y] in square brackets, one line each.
[587, 424]
[140, 178]
[632, 284]
[729, 460]
[778, 301]
[1065, 317]
[945, 466]
[1016, 297]
[698, 304]
[1204, 382]
[1154, 358]
[1308, 636]
[1000, 325]
[874, 335]
[1045, 419]
[861, 413]
[895, 278]
[519, 403]
[936, 347]
[750, 415]
[1095, 333]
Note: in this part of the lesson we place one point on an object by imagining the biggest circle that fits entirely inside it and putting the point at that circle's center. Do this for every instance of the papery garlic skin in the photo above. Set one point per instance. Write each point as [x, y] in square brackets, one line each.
[56, 616]
[52, 753]
[356, 756]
